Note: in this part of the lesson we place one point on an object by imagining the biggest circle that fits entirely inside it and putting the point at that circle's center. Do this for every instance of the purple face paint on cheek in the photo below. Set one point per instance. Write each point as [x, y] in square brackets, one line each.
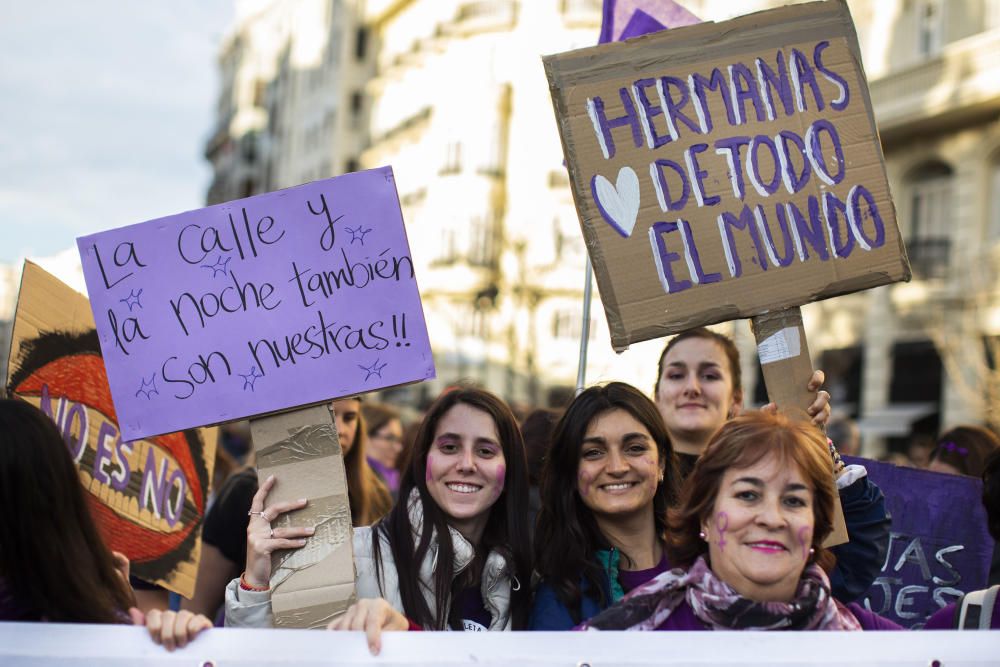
[501, 478]
[648, 460]
[805, 536]
[427, 474]
[584, 479]
[722, 525]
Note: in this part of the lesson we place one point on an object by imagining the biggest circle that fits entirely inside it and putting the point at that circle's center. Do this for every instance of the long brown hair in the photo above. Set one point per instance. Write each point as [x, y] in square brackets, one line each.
[741, 443]
[369, 497]
[52, 558]
[506, 529]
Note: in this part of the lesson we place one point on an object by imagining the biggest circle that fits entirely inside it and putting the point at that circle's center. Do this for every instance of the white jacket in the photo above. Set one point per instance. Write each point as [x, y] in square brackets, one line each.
[253, 608]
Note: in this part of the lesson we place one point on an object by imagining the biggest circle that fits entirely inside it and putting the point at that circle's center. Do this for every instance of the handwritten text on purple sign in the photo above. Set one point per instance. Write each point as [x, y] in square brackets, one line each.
[257, 305]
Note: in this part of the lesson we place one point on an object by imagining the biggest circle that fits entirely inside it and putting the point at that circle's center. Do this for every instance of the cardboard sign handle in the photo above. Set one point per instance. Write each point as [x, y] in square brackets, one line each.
[312, 585]
[787, 369]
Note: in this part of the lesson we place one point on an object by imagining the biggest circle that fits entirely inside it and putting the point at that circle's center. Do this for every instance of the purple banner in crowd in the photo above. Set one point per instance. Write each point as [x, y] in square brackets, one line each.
[939, 547]
[257, 305]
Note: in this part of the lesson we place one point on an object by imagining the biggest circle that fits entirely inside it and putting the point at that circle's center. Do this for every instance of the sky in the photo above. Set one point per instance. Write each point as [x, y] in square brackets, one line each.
[106, 106]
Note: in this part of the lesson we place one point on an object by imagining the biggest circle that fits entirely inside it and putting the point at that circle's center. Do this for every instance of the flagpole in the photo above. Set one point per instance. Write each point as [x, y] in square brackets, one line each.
[581, 372]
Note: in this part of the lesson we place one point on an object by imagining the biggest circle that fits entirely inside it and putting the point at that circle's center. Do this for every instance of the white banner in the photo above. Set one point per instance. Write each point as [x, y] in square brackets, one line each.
[51, 644]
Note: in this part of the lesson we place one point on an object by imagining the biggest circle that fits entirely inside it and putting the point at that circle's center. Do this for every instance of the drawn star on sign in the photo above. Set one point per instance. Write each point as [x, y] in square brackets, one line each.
[358, 234]
[148, 388]
[218, 267]
[132, 300]
[250, 378]
[374, 369]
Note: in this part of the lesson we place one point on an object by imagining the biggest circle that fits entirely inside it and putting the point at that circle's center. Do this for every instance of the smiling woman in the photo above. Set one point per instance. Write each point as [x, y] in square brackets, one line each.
[452, 555]
[607, 483]
[747, 540]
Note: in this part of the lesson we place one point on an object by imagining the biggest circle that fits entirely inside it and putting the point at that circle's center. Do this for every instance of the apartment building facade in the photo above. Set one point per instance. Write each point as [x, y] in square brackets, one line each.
[452, 94]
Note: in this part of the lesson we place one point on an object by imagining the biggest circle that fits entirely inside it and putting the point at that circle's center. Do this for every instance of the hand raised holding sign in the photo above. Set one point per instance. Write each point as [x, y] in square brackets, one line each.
[263, 539]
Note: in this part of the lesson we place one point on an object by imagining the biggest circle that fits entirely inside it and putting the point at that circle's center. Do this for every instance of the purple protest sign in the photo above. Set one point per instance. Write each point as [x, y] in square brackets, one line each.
[257, 305]
[939, 547]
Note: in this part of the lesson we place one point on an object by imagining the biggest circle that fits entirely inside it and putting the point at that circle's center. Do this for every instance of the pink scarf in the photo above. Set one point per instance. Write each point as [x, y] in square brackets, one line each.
[720, 607]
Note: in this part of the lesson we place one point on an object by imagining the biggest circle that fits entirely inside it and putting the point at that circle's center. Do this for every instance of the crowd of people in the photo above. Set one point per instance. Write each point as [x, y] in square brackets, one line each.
[683, 512]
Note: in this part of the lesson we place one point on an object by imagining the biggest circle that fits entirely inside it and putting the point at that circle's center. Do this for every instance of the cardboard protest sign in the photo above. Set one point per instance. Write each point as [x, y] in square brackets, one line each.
[147, 495]
[312, 585]
[258, 305]
[726, 170]
[939, 547]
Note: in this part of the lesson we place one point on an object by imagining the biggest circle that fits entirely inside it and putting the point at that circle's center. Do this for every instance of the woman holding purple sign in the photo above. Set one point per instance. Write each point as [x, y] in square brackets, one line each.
[747, 540]
[453, 556]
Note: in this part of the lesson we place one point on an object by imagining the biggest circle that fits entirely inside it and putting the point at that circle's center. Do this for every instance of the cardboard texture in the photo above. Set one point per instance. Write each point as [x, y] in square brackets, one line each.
[787, 368]
[148, 496]
[726, 170]
[258, 305]
[311, 585]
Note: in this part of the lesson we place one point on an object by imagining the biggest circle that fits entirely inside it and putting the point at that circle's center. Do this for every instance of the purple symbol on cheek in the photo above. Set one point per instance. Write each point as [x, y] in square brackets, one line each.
[584, 483]
[805, 532]
[427, 474]
[722, 525]
[501, 477]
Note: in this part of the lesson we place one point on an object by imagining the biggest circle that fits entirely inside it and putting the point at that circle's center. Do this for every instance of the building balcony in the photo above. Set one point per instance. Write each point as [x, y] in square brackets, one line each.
[481, 16]
[929, 257]
[582, 13]
[957, 86]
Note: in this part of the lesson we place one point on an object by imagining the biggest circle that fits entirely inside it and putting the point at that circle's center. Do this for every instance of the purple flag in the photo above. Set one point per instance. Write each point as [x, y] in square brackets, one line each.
[939, 547]
[624, 19]
[257, 305]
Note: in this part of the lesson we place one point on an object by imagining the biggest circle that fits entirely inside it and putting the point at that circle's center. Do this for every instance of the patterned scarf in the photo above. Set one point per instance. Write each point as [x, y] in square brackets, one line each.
[721, 608]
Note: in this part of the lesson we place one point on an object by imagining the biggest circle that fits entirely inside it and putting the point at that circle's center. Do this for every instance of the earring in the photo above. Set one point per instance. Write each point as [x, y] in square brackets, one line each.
[703, 536]
[812, 551]
[661, 475]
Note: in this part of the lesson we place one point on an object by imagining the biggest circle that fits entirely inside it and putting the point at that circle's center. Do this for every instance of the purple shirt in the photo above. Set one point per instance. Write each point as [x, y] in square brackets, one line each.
[944, 618]
[389, 475]
[630, 579]
[683, 618]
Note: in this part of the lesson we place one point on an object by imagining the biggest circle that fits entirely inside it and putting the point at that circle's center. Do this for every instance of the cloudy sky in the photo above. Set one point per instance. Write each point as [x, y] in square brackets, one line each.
[106, 108]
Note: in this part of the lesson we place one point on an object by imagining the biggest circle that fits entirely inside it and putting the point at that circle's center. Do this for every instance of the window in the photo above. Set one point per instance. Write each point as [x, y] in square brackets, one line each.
[568, 324]
[993, 207]
[566, 239]
[361, 44]
[930, 216]
[930, 27]
[482, 241]
[357, 106]
[453, 158]
[916, 373]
